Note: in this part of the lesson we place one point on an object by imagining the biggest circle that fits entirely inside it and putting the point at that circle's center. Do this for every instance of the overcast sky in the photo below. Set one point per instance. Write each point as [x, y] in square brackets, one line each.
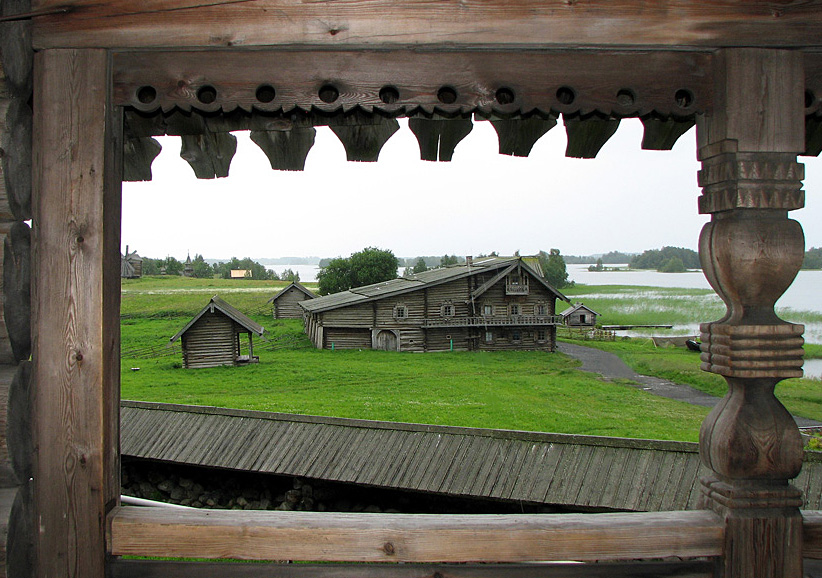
[626, 199]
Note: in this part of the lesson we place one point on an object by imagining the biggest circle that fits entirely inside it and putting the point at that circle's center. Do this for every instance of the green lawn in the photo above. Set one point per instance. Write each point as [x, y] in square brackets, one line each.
[508, 390]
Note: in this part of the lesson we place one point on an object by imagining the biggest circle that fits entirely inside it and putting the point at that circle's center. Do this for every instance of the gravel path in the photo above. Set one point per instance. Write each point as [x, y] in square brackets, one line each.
[609, 366]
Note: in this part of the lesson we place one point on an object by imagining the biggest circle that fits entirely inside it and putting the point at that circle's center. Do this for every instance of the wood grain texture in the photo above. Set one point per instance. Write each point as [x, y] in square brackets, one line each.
[138, 154]
[363, 142]
[20, 543]
[75, 310]
[587, 136]
[15, 162]
[503, 82]
[17, 289]
[119, 568]
[368, 22]
[517, 136]
[438, 138]
[812, 534]
[15, 48]
[662, 134]
[411, 538]
[20, 419]
[286, 150]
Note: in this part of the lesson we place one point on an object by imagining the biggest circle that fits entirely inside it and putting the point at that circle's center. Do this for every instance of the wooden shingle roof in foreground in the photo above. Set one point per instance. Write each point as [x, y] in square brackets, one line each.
[570, 470]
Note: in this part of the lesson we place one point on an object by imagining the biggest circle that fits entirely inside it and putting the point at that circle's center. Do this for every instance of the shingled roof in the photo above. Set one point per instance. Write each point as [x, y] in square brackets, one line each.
[425, 279]
[571, 470]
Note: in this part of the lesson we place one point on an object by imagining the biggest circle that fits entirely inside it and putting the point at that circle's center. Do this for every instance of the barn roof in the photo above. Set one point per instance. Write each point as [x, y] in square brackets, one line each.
[217, 304]
[428, 278]
[577, 307]
[296, 285]
[573, 470]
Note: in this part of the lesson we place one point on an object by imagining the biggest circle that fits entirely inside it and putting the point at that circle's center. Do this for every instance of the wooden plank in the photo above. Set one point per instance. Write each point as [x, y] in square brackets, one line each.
[552, 82]
[22, 534]
[17, 289]
[167, 569]
[76, 307]
[812, 534]
[19, 431]
[16, 54]
[411, 538]
[15, 162]
[186, 23]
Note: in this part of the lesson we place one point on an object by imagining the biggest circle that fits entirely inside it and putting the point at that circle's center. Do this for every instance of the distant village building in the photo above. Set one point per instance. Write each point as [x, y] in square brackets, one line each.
[241, 273]
[213, 337]
[486, 304]
[188, 268]
[579, 316]
[131, 265]
[287, 302]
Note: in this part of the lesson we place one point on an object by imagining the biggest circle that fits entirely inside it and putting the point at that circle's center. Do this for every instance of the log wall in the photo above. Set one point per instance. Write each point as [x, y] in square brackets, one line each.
[210, 342]
[287, 305]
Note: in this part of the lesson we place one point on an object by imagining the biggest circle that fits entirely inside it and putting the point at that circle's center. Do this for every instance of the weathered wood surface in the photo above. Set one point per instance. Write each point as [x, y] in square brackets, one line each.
[17, 289]
[286, 150]
[587, 136]
[10, 415]
[209, 154]
[425, 81]
[364, 141]
[662, 134]
[22, 533]
[119, 568]
[16, 54]
[750, 252]
[439, 137]
[518, 136]
[75, 311]
[526, 22]
[411, 537]
[15, 160]
[138, 154]
[19, 423]
[813, 135]
[577, 471]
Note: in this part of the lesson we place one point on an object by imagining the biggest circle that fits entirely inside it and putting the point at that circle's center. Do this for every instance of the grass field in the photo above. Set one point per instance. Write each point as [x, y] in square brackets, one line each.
[507, 390]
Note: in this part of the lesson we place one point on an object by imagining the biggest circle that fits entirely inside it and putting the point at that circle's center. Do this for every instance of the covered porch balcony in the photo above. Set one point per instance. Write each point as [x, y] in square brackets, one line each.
[481, 321]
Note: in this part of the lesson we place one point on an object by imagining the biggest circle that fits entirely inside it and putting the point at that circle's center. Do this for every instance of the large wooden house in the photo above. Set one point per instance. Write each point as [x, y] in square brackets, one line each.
[213, 337]
[287, 302]
[488, 304]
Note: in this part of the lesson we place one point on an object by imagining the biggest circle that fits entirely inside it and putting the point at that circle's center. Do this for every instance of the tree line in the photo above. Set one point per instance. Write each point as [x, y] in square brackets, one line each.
[202, 269]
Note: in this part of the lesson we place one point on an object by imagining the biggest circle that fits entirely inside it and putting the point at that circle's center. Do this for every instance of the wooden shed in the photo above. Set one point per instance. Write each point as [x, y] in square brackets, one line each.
[131, 265]
[213, 337]
[287, 302]
[579, 316]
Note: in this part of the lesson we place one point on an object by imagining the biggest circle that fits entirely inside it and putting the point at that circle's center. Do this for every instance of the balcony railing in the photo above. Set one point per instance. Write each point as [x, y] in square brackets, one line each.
[480, 321]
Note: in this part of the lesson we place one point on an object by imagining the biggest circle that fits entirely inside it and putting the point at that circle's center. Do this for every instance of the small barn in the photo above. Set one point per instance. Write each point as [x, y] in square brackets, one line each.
[241, 274]
[579, 316]
[214, 336]
[287, 302]
[131, 265]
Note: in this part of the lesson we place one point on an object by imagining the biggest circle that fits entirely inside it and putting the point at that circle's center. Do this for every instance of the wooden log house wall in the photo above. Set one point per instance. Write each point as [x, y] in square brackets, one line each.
[748, 73]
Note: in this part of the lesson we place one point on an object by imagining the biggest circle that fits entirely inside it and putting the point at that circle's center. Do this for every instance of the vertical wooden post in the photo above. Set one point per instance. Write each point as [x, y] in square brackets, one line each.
[77, 172]
[751, 251]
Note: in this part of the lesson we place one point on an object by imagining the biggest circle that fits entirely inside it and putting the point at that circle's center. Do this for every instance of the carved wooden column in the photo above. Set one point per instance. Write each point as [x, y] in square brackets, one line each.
[751, 251]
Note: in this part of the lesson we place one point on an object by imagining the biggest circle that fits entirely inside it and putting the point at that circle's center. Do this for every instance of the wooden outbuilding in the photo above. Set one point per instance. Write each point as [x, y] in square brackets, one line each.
[240, 274]
[131, 265]
[213, 337]
[488, 304]
[287, 302]
[579, 315]
[86, 85]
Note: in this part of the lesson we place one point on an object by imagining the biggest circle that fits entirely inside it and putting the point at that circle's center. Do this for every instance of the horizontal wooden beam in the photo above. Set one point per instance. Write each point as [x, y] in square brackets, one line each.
[322, 537]
[231, 23]
[812, 534]
[504, 82]
[118, 568]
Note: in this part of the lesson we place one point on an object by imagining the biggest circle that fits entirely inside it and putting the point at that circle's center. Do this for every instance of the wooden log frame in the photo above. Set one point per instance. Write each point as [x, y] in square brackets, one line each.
[81, 89]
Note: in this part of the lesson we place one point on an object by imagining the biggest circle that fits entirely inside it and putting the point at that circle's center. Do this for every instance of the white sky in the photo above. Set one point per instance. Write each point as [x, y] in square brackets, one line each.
[626, 199]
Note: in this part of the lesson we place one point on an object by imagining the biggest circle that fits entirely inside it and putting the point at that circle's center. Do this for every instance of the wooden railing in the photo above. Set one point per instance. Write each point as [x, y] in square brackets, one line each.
[510, 321]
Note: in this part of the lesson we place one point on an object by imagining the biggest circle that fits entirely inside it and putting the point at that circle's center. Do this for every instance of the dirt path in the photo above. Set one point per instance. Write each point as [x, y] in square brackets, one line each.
[609, 366]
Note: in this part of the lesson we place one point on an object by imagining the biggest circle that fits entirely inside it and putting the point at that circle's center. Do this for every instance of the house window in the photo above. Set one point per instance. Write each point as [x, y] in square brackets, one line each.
[516, 336]
[540, 309]
[489, 337]
[447, 310]
[514, 308]
[487, 309]
[400, 312]
[540, 335]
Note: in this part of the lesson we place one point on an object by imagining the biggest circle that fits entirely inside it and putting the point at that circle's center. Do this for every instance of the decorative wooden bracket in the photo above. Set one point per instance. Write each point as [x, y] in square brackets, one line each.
[518, 135]
[587, 136]
[138, 154]
[286, 149]
[363, 136]
[662, 134]
[438, 137]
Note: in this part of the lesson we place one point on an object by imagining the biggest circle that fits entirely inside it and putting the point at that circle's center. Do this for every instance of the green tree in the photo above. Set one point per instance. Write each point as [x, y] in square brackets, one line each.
[171, 266]
[202, 270]
[655, 258]
[419, 266]
[673, 265]
[371, 265]
[597, 267]
[813, 259]
[289, 275]
[448, 260]
[151, 266]
[553, 268]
